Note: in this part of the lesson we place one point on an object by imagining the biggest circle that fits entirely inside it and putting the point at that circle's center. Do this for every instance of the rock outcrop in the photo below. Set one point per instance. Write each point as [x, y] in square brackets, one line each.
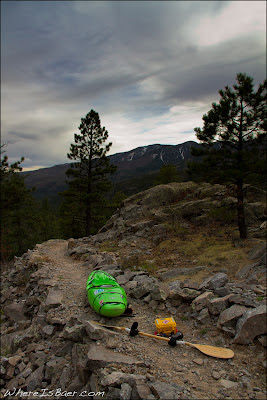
[146, 214]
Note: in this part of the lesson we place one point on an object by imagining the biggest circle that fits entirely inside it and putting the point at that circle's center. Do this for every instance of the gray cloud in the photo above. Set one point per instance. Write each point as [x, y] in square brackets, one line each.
[132, 62]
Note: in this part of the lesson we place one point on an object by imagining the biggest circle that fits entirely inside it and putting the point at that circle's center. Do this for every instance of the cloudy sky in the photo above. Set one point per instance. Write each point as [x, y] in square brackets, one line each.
[151, 69]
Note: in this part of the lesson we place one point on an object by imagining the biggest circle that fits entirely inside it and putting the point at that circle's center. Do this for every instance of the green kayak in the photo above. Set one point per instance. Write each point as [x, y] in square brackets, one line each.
[105, 295]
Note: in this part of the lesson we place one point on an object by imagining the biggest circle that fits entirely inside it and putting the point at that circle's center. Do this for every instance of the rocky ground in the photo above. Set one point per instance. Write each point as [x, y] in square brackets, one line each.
[50, 345]
[50, 348]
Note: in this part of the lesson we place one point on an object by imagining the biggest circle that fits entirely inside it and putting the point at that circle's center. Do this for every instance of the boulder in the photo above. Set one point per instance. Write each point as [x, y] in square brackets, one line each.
[113, 393]
[187, 295]
[75, 333]
[227, 384]
[53, 299]
[222, 291]
[200, 302]
[14, 360]
[111, 268]
[176, 272]
[100, 356]
[66, 377]
[158, 293]
[141, 291]
[122, 279]
[246, 270]
[80, 250]
[48, 330]
[97, 332]
[144, 279]
[252, 324]
[217, 306]
[163, 390]
[177, 295]
[130, 286]
[16, 312]
[242, 300]
[228, 318]
[129, 274]
[125, 392]
[188, 283]
[9, 372]
[204, 316]
[214, 282]
[34, 380]
[24, 337]
[6, 294]
[79, 361]
[117, 378]
[54, 368]
[174, 287]
[141, 391]
[258, 253]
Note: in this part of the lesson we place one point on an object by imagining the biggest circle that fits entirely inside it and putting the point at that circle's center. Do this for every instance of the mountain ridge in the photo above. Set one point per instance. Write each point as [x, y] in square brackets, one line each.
[131, 164]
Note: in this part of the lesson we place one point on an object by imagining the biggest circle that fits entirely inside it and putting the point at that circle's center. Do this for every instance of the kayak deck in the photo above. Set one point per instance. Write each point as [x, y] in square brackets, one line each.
[105, 295]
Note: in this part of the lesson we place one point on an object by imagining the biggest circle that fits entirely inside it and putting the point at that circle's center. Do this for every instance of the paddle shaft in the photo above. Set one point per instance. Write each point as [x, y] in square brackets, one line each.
[212, 351]
[217, 352]
[160, 337]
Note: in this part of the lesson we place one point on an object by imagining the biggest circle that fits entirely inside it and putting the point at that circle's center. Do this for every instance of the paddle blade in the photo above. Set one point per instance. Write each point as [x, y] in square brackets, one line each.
[217, 352]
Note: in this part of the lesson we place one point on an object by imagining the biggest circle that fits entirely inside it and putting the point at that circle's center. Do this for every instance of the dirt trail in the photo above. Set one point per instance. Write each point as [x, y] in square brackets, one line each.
[202, 376]
[68, 274]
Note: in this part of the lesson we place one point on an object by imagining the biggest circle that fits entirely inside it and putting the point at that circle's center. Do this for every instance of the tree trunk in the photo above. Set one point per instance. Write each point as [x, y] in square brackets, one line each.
[88, 219]
[240, 194]
[88, 216]
[240, 210]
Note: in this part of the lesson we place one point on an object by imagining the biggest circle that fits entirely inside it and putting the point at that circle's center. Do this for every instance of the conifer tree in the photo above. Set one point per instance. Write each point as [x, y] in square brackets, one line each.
[17, 210]
[232, 134]
[167, 174]
[82, 210]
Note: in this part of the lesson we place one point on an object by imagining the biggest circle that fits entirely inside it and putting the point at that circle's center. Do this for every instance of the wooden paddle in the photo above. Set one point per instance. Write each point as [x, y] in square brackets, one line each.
[217, 352]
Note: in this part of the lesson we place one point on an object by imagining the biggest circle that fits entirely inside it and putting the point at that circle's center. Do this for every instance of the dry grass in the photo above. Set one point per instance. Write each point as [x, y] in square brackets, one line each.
[108, 246]
[218, 249]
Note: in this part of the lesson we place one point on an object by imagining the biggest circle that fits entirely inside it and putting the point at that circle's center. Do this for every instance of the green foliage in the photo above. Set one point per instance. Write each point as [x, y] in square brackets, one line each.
[48, 221]
[223, 214]
[17, 220]
[167, 174]
[24, 220]
[135, 185]
[175, 228]
[84, 208]
[112, 205]
[233, 138]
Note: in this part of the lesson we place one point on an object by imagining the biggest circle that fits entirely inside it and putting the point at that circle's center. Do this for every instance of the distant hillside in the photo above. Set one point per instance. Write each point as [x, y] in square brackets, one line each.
[142, 161]
[148, 159]
[48, 182]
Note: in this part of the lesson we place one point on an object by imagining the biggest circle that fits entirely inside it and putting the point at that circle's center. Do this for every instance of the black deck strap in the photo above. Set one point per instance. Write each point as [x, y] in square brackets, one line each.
[134, 331]
[128, 311]
[173, 338]
[111, 302]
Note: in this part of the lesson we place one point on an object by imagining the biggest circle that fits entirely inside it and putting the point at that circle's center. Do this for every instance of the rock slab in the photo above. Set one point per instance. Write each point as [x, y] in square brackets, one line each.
[253, 323]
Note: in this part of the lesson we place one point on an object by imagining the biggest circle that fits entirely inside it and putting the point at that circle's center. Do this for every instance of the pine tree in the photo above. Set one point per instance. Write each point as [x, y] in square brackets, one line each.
[82, 209]
[232, 134]
[167, 174]
[17, 211]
